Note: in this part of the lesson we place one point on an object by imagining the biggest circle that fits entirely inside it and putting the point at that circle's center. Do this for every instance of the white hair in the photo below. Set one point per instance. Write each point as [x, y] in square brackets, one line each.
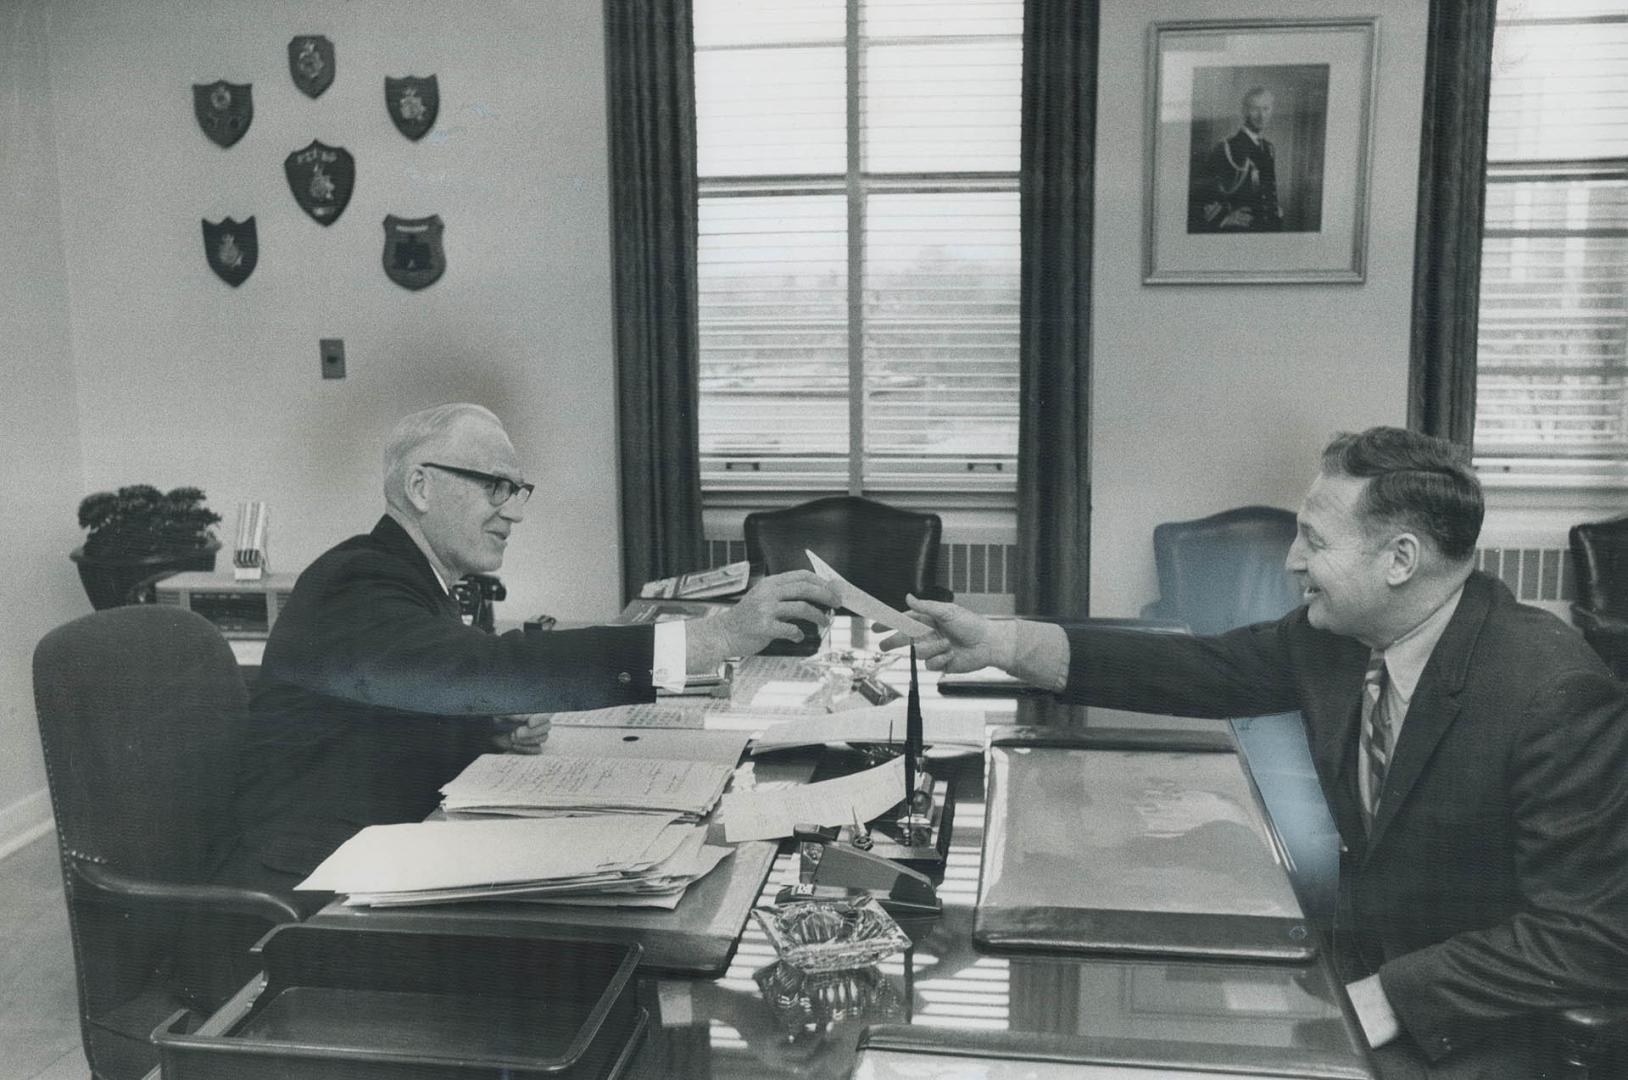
[418, 432]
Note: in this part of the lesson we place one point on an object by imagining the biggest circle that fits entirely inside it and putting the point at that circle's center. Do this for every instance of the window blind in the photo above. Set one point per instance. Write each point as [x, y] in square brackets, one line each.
[1552, 366]
[859, 230]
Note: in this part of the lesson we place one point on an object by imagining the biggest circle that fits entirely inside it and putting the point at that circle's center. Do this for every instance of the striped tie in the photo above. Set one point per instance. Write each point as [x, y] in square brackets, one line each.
[1376, 735]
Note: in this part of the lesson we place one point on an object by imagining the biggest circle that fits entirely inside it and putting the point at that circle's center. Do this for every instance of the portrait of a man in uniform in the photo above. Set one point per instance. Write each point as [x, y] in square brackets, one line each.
[1257, 149]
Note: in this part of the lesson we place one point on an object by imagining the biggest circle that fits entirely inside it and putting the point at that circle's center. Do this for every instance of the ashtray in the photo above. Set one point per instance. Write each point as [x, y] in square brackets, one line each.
[831, 935]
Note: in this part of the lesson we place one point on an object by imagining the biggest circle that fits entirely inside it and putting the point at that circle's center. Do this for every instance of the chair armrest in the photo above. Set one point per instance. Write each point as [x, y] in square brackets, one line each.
[1589, 620]
[1595, 1019]
[219, 898]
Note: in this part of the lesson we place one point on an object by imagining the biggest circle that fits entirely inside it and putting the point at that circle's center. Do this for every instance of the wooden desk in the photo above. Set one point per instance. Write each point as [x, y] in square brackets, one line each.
[760, 1019]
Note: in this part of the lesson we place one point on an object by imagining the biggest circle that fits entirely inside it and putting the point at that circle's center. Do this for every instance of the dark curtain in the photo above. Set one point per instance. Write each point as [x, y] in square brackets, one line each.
[1059, 137]
[650, 86]
[1447, 241]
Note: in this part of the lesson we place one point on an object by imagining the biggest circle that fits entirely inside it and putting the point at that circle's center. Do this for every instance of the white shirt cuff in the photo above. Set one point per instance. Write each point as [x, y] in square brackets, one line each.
[669, 660]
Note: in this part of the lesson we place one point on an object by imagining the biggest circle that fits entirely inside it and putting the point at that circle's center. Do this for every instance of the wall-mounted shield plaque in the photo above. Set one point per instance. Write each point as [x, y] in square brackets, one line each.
[413, 256]
[413, 104]
[321, 178]
[311, 62]
[232, 248]
[224, 110]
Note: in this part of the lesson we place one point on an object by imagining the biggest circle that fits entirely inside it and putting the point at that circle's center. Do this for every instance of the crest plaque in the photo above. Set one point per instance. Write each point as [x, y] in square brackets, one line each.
[413, 104]
[321, 178]
[311, 63]
[413, 256]
[224, 110]
[232, 248]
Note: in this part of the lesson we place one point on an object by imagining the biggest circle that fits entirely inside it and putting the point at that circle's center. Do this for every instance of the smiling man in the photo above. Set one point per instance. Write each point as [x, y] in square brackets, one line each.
[1472, 751]
[373, 692]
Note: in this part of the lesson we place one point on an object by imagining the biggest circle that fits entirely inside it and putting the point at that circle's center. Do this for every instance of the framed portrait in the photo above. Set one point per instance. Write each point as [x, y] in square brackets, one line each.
[1258, 148]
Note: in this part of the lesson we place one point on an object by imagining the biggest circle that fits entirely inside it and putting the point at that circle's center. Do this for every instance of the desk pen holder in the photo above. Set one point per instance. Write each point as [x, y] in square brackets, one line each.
[919, 840]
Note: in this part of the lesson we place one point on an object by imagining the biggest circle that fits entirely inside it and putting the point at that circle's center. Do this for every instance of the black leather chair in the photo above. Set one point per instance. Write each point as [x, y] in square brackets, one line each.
[1225, 570]
[140, 712]
[884, 550]
[1599, 552]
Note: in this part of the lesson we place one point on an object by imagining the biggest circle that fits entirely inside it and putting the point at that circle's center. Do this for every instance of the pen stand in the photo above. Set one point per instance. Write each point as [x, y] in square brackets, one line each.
[921, 840]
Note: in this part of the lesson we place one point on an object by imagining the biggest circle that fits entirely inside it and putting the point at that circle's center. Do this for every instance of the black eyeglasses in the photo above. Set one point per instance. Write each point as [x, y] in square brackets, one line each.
[499, 489]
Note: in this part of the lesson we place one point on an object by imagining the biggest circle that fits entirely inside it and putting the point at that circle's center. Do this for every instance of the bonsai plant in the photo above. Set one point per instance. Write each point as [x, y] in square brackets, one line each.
[138, 535]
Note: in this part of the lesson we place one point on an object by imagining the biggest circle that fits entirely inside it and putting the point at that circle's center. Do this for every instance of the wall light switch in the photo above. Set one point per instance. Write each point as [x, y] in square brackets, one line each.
[333, 357]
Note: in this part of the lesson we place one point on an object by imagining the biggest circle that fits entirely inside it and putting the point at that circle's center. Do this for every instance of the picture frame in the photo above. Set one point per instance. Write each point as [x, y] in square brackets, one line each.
[1258, 148]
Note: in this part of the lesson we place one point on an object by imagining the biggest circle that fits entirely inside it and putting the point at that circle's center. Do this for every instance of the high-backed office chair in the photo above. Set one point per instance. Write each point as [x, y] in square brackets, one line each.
[1225, 570]
[884, 550]
[140, 710]
[1599, 553]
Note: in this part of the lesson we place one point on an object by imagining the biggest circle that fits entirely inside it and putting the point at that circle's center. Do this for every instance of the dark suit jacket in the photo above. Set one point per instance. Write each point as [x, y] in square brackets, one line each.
[1495, 883]
[373, 693]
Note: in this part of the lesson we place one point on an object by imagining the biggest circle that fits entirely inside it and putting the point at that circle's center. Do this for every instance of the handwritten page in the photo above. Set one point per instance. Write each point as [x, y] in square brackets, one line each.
[767, 815]
[495, 781]
[865, 605]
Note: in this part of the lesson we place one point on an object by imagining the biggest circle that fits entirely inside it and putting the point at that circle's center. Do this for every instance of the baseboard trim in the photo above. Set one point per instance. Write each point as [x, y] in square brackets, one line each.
[25, 821]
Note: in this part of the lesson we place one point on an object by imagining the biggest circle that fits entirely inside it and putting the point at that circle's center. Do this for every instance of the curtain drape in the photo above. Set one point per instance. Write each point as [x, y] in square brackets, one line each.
[1447, 236]
[650, 88]
[1059, 138]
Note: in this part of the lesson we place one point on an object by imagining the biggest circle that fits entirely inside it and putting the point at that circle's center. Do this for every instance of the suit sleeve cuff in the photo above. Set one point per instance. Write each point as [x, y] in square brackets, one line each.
[668, 661]
[1405, 981]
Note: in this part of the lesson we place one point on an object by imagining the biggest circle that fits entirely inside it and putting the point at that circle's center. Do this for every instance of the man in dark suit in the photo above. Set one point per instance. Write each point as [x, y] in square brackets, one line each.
[373, 692]
[1235, 182]
[1473, 751]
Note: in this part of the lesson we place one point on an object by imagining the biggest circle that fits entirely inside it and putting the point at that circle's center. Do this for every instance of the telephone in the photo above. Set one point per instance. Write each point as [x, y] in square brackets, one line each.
[476, 594]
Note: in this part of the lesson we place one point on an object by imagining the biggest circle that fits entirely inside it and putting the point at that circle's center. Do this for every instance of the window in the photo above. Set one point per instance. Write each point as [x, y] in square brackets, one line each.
[1552, 368]
[858, 278]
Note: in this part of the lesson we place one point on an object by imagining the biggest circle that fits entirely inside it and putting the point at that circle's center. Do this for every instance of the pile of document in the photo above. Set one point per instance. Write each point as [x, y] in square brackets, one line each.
[515, 785]
[641, 860]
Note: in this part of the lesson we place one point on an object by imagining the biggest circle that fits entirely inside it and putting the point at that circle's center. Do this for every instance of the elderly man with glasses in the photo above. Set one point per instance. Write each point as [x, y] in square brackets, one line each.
[373, 693]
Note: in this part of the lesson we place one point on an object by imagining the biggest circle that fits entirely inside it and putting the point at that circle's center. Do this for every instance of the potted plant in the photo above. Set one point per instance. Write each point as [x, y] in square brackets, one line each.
[138, 535]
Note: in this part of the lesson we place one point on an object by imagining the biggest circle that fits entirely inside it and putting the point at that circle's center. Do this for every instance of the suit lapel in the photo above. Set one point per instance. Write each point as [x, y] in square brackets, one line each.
[390, 535]
[1336, 750]
[1435, 704]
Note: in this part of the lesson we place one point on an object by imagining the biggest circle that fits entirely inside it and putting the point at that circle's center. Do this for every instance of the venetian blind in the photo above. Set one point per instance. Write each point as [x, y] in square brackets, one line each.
[1552, 367]
[858, 270]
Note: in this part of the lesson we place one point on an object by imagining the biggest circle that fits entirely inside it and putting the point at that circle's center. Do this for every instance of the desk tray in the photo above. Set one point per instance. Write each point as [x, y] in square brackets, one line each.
[376, 1004]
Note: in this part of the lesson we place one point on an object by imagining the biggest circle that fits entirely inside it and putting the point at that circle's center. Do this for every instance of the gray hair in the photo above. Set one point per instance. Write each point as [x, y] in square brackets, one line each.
[418, 432]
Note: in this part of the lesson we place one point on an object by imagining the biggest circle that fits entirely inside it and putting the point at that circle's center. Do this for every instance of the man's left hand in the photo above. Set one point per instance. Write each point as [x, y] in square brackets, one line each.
[522, 733]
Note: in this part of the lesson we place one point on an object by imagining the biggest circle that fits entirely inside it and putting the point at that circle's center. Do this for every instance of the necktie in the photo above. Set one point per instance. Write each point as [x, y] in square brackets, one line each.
[1376, 735]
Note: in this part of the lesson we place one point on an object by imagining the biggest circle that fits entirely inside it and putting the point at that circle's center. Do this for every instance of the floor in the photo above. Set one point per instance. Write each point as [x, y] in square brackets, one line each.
[39, 1015]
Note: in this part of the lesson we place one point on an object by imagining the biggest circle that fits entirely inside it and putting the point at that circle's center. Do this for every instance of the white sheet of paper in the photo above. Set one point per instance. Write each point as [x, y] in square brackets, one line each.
[768, 815]
[451, 854]
[671, 744]
[561, 782]
[865, 605]
[876, 724]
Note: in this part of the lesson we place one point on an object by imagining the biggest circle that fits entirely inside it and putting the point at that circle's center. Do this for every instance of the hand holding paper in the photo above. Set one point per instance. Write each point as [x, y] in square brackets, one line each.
[865, 605]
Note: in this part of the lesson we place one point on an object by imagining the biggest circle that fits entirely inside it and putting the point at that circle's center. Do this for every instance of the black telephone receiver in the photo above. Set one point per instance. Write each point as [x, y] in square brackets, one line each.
[476, 593]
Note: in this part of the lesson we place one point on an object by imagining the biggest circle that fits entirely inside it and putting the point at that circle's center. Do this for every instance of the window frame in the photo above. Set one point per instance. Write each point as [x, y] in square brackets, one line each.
[931, 491]
[1536, 480]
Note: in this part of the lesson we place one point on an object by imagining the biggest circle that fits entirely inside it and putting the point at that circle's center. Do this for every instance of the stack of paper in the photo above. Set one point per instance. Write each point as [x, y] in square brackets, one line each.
[552, 784]
[642, 861]
[876, 724]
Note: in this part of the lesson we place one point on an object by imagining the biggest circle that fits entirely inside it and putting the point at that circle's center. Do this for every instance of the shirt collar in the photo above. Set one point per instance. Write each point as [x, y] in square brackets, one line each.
[1405, 658]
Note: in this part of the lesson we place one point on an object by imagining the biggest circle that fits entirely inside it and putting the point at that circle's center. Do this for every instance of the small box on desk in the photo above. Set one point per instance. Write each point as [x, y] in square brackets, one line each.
[239, 609]
[401, 1005]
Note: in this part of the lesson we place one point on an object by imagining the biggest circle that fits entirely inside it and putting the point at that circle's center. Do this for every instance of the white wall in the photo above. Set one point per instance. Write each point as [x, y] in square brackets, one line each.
[1209, 397]
[184, 380]
[40, 472]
